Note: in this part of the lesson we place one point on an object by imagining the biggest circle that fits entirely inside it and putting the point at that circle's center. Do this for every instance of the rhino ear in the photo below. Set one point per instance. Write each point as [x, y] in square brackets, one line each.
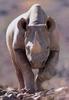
[22, 24]
[50, 24]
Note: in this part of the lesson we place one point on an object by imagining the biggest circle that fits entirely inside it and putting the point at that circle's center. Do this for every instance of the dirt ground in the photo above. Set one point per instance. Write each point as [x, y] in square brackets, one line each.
[59, 10]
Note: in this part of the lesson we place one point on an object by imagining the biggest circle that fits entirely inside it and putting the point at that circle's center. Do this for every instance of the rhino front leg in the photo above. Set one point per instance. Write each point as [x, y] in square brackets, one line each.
[26, 70]
[49, 70]
[17, 69]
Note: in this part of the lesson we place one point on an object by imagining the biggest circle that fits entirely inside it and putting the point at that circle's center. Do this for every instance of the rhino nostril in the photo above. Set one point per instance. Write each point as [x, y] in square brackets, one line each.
[43, 63]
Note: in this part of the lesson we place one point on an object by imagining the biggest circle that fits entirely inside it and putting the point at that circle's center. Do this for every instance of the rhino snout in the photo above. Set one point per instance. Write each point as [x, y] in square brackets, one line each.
[34, 47]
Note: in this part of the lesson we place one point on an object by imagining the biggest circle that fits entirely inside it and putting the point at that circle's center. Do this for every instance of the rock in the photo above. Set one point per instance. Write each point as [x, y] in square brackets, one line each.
[12, 97]
[23, 90]
[2, 92]
[9, 97]
[20, 96]
[5, 98]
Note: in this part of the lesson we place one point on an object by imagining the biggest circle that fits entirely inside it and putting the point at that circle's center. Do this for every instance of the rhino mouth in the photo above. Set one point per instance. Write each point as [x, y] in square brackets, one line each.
[39, 60]
[36, 65]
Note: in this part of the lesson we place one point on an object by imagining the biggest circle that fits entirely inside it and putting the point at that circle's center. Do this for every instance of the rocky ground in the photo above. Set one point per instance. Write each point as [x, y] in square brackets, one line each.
[52, 94]
[59, 10]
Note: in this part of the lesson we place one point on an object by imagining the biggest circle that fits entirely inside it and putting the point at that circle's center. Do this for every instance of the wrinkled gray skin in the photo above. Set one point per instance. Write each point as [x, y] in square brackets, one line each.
[33, 44]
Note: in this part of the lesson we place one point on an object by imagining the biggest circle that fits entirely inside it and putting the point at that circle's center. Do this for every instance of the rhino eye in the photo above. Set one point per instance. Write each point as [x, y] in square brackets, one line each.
[27, 33]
